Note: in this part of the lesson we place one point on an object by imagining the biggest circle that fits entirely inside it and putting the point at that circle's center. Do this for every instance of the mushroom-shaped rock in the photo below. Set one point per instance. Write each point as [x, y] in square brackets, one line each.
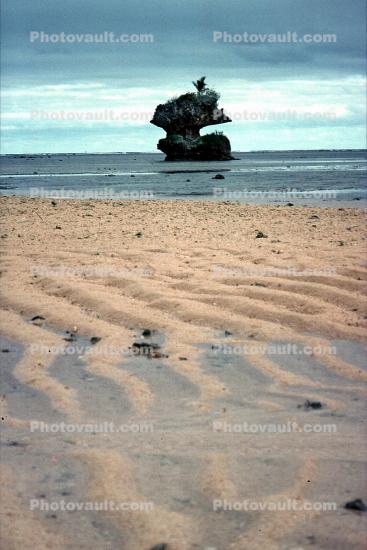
[183, 117]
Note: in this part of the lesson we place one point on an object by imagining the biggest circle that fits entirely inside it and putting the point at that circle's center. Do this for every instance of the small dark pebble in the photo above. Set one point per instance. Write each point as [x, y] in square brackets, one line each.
[145, 349]
[146, 333]
[227, 333]
[5, 350]
[162, 546]
[70, 338]
[16, 444]
[53, 203]
[151, 351]
[158, 355]
[95, 340]
[311, 405]
[139, 234]
[218, 177]
[38, 318]
[261, 235]
[356, 504]
[58, 227]
[183, 358]
[289, 204]
[313, 217]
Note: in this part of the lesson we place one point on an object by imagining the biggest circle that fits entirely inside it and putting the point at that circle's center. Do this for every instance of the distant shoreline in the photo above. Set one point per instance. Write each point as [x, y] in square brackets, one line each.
[161, 154]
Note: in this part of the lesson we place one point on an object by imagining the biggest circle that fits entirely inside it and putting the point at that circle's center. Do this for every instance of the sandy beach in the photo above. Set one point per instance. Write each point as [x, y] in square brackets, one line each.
[201, 289]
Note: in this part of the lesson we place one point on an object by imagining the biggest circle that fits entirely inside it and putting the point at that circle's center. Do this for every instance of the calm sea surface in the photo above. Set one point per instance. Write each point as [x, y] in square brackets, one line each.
[315, 178]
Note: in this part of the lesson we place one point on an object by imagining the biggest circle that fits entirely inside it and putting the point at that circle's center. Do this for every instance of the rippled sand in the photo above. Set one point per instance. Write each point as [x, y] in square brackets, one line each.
[195, 274]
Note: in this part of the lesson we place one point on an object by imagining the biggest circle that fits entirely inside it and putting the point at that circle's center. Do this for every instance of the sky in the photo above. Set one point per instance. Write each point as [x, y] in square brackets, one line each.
[69, 94]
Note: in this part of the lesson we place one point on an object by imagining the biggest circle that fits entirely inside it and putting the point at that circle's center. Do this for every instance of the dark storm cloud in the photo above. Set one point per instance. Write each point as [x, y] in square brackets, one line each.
[255, 77]
[183, 39]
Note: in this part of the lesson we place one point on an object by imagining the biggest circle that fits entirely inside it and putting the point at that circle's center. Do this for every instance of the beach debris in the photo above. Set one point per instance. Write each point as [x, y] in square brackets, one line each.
[95, 340]
[53, 203]
[289, 204]
[159, 355]
[149, 350]
[311, 405]
[70, 338]
[58, 227]
[182, 358]
[37, 320]
[139, 234]
[260, 235]
[227, 333]
[218, 177]
[5, 350]
[15, 443]
[161, 546]
[146, 333]
[71, 335]
[357, 505]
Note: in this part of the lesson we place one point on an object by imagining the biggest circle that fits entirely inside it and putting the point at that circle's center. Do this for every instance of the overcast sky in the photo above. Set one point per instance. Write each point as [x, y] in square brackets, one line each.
[280, 95]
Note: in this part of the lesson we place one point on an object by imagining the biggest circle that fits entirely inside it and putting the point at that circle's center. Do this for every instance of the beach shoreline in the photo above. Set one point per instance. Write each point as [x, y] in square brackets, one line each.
[203, 286]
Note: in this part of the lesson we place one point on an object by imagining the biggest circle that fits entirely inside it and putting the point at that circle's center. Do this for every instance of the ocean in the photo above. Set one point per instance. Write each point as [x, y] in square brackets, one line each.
[313, 178]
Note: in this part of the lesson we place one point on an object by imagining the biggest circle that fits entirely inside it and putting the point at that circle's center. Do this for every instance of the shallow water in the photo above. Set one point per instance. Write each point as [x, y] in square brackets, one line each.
[330, 178]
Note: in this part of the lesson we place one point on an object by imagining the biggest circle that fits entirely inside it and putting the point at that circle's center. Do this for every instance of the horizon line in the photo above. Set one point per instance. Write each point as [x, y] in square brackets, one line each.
[162, 154]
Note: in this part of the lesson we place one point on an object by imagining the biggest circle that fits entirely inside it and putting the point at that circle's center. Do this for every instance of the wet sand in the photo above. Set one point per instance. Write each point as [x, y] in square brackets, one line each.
[213, 292]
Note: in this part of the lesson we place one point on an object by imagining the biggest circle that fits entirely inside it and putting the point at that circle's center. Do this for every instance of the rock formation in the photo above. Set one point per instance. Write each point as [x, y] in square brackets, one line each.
[183, 117]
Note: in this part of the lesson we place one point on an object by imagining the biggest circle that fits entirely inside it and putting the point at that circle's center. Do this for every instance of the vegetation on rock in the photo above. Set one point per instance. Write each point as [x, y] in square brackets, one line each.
[183, 117]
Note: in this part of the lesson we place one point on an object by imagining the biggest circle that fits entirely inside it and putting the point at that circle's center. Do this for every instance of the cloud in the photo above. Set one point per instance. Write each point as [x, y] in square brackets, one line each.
[135, 77]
